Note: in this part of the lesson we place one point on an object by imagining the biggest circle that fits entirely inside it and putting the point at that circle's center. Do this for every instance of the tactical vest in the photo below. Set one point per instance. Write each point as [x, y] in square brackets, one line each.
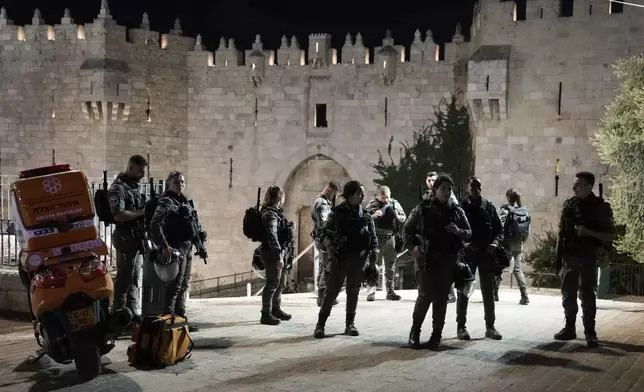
[582, 213]
[180, 225]
[354, 228]
[388, 219]
[134, 200]
[480, 221]
[435, 218]
[314, 215]
[284, 233]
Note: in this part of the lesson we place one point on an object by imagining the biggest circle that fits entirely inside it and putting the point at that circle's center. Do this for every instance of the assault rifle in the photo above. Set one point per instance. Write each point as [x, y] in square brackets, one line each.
[289, 254]
[200, 238]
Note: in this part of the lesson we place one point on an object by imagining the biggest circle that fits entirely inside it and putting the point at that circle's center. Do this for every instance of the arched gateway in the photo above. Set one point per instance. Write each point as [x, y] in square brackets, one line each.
[302, 178]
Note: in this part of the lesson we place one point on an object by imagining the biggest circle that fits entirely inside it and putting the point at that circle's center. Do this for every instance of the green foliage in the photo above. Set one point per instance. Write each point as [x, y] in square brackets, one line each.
[446, 144]
[542, 260]
[620, 143]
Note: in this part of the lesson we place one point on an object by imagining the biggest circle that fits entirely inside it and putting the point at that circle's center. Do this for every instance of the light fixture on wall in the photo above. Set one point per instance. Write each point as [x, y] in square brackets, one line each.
[53, 108]
[148, 112]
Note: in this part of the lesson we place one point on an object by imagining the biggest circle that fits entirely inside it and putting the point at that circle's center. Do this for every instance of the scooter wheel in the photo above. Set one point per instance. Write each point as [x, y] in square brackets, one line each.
[88, 362]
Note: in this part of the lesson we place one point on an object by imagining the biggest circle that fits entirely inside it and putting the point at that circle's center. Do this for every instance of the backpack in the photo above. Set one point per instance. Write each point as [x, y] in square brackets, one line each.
[150, 208]
[517, 225]
[253, 226]
[160, 341]
[102, 204]
[103, 207]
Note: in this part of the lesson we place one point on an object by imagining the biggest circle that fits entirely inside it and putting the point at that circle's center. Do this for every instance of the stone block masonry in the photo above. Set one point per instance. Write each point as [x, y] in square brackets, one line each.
[241, 118]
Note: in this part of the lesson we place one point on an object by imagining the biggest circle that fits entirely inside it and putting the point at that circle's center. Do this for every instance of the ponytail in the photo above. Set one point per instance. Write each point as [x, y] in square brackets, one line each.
[514, 197]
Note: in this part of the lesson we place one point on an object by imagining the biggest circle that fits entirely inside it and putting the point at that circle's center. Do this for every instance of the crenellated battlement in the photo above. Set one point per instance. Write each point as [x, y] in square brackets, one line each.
[105, 32]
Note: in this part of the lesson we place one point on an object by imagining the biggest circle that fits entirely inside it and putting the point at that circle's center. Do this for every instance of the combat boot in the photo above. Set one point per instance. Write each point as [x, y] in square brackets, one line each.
[319, 327]
[461, 317]
[524, 297]
[568, 332]
[350, 328]
[392, 296]
[269, 319]
[492, 333]
[280, 314]
[590, 333]
[462, 334]
[434, 341]
[414, 336]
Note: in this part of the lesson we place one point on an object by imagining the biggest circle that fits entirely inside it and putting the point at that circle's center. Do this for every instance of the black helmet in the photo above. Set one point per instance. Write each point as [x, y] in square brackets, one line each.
[257, 265]
[463, 278]
[371, 275]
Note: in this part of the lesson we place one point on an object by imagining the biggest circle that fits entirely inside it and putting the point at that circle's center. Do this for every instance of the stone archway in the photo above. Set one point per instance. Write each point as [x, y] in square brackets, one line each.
[285, 172]
[302, 185]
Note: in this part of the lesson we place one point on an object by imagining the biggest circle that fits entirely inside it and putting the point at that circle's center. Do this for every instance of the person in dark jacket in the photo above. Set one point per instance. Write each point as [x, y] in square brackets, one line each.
[480, 251]
[434, 234]
[429, 181]
[586, 224]
[172, 229]
[349, 235]
[272, 252]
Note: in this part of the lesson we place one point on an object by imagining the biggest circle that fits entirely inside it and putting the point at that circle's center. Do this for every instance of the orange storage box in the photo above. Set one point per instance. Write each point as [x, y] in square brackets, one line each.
[53, 209]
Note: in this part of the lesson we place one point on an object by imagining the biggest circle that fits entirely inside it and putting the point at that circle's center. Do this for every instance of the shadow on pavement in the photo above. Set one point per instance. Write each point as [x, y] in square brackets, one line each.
[535, 356]
[346, 360]
[207, 325]
[48, 376]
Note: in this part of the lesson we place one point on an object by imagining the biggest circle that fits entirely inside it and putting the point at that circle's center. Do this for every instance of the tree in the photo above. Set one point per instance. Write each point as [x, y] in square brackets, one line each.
[620, 143]
[445, 144]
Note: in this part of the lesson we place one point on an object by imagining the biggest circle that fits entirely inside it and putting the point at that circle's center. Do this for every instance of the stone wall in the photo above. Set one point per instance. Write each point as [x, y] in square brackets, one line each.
[544, 52]
[236, 120]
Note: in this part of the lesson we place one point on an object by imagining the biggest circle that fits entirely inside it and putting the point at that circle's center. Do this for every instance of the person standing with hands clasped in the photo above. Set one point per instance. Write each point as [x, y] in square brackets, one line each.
[349, 236]
[434, 233]
[585, 225]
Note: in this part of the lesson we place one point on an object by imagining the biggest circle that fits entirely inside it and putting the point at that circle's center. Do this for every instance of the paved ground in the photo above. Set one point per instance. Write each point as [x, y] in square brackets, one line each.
[235, 353]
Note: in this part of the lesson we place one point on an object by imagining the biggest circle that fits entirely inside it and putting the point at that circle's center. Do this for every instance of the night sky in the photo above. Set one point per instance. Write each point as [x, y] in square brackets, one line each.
[242, 19]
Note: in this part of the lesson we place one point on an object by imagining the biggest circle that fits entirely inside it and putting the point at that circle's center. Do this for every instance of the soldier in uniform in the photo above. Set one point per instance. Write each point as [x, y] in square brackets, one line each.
[387, 214]
[429, 181]
[128, 207]
[173, 230]
[349, 235]
[320, 211]
[272, 251]
[586, 223]
[434, 234]
[480, 252]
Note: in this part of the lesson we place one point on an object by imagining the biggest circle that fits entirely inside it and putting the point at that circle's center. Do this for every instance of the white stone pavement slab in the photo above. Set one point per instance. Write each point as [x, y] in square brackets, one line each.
[235, 353]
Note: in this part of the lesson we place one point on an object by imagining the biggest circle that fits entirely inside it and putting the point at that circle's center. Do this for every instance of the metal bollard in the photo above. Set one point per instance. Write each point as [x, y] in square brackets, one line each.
[248, 290]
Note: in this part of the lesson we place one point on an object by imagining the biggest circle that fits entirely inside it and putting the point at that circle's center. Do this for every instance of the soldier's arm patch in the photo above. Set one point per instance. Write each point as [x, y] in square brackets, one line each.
[114, 201]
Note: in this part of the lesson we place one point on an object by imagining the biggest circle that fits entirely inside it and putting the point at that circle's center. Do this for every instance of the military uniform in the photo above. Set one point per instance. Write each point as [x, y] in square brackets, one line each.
[320, 211]
[172, 225]
[425, 229]
[128, 240]
[451, 297]
[272, 251]
[486, 230]
[386, 225]
[577, 261]
[350, 230]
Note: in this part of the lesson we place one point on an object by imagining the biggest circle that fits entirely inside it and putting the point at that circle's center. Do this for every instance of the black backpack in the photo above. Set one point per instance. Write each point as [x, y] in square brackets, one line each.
[517, 225]
[252, 226]
[102, 204]
[150, 208]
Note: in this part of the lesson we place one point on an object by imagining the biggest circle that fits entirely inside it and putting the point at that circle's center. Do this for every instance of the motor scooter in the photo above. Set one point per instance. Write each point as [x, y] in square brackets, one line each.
[70, 289]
